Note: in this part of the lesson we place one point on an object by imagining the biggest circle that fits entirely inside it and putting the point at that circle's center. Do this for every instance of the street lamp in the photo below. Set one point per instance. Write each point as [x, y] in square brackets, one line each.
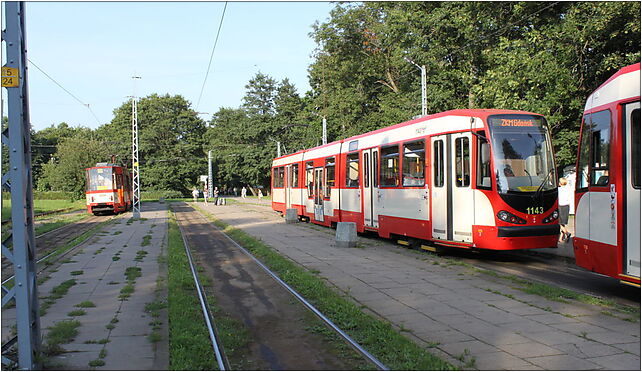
[324, 134]
[424, 98]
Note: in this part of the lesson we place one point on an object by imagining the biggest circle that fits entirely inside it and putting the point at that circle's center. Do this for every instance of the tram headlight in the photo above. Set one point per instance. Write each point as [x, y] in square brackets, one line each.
[510, 218]
[555, 215]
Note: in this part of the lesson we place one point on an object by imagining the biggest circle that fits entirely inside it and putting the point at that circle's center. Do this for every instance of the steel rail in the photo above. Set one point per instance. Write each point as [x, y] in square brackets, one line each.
[221, 358]
[63, 254]
[311, 307]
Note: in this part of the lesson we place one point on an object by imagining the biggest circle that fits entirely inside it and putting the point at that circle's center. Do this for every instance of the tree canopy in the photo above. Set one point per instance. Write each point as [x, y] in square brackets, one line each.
[543, 57]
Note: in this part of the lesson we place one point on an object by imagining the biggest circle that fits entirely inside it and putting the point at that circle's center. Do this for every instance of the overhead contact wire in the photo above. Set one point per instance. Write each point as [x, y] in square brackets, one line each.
[211, 56]
[68, 92]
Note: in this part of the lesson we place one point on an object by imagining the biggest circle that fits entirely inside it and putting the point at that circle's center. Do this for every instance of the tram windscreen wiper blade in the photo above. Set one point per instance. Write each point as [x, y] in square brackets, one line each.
[541, 185]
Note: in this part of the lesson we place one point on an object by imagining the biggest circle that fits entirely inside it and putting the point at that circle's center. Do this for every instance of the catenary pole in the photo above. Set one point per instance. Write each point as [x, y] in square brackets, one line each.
[18, 181]
[135, 160]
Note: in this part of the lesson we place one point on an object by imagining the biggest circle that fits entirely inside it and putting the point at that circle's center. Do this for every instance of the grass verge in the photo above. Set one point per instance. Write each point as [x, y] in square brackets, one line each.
[188, 335]
[377, 336]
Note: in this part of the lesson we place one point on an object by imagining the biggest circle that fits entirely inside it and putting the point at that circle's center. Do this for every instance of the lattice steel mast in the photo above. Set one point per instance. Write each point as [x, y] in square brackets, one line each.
[18, 181]
[135, 163]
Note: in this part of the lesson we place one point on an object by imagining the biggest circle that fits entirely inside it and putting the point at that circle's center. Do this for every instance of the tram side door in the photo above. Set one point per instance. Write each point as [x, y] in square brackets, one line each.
[288, 186]
[452, 204]
[370, 161]
[632, 187]
[318, 194]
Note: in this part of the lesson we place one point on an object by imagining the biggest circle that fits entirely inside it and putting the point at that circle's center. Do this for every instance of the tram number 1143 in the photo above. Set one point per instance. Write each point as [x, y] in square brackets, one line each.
[535, 210]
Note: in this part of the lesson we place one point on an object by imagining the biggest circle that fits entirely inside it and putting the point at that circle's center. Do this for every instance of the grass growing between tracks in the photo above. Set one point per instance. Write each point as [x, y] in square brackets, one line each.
[377, 336]
[189, 343]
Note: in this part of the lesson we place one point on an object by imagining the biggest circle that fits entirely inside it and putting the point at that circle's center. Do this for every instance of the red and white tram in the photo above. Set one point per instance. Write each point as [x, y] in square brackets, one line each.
[607, 195]
[463, 178]
[108, 188]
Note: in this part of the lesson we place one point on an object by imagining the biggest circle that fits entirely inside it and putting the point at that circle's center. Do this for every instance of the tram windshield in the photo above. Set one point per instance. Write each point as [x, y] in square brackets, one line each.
[99, 179]
[522, 153]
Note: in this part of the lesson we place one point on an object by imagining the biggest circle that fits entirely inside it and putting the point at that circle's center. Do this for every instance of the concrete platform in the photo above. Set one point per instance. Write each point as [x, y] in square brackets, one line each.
[472, 320]
[98, 267]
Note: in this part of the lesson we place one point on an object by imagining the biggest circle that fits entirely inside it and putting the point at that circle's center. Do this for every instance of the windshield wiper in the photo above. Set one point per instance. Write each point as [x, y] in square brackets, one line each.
[541, 185]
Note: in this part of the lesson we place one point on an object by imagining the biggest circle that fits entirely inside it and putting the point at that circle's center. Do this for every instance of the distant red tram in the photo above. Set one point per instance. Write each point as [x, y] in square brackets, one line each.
[108, 188]
[462, 178]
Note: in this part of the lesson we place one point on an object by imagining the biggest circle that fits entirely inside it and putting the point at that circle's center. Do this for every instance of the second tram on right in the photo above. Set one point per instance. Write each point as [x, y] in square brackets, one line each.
[607, 195]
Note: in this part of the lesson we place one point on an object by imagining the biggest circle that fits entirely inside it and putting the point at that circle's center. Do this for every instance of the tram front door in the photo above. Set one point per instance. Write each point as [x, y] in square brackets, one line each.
[452, 197]
[370, 188]
[632, 189]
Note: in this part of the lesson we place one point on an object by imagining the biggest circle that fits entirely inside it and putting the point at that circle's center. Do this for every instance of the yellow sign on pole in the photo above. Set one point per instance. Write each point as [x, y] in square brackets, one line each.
[10, 77]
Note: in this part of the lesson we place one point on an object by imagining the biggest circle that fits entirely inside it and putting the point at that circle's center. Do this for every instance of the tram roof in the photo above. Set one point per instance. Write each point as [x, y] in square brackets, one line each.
[480, 113]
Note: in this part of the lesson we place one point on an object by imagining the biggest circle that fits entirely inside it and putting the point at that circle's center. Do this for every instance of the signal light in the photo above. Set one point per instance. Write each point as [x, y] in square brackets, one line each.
[510, 218]
[555, 215]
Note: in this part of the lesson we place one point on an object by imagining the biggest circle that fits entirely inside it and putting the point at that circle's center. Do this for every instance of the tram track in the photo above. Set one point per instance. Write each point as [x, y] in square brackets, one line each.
[272, 311]
[47, 243]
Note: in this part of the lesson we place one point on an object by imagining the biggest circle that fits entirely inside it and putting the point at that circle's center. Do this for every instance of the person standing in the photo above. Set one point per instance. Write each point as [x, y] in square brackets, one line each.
[216, 196]
[243, 192]
[195, 194]
[565, 193]
[260, 195]
[205, 195]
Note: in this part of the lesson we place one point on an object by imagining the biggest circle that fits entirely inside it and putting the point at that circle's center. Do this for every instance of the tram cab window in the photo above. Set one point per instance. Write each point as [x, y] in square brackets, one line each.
[438, 163]
[584, 152]
[600, 124]
[100, 179]
[309, 178]
[390, 166]
[414, 158]
[330, 176]
[483, 164]
[352, 170]
[462, 162]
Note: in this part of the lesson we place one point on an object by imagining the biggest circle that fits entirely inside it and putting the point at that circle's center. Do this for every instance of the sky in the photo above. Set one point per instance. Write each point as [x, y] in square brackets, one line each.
[93, 49]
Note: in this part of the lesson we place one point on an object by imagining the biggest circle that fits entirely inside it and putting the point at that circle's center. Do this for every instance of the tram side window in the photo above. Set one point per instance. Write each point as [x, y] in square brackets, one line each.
[483, 163]
[366, 170]
[600, 147]
[294, 176]
[438, 163]
[375, 169]
[462, 162]
[390, 166]
[309, 178]
[330, 176]
[352, 170]
[414, 158]
[278, 177]
[635, 148]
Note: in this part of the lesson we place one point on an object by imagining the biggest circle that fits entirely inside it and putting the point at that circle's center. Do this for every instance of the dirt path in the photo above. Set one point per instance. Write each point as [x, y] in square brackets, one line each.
[277, 323]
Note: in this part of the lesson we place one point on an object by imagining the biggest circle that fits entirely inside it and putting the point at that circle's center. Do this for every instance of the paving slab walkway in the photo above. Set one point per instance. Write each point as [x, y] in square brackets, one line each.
[123, 325]
[473, 320]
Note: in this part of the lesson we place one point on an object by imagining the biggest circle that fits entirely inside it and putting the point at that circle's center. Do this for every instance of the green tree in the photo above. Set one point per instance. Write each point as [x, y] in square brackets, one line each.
[65, 171]
[44, 145]
[170, 139]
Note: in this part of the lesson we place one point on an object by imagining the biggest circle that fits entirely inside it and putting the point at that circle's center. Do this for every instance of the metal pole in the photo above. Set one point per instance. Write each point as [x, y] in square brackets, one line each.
[210, 181]
[424, 93]
[278, 149]
[18, 180]
[135, 161]
[324, 136]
